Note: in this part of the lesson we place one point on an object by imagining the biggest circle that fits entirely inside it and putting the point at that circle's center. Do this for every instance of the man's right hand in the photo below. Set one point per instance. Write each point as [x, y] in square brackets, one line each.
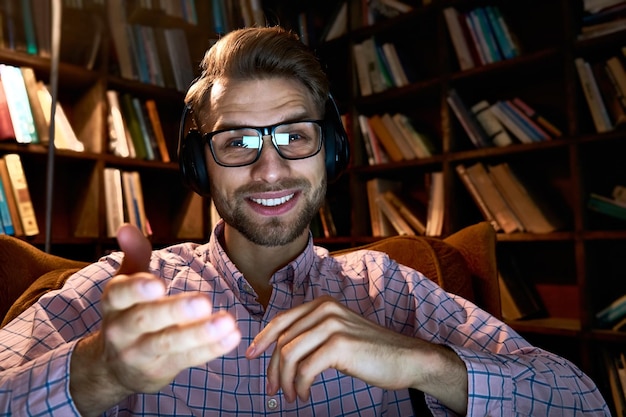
[147, 337]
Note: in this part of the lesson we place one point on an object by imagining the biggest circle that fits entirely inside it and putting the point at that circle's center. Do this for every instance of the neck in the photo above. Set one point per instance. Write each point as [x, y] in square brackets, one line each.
[258, 263]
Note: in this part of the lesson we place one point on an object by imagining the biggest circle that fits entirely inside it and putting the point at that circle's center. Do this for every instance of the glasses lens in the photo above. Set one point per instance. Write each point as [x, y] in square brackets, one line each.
[298, 140]
[236, 147]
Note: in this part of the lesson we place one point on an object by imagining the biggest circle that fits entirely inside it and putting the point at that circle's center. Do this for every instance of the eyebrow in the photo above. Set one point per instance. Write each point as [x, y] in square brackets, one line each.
[296, 117]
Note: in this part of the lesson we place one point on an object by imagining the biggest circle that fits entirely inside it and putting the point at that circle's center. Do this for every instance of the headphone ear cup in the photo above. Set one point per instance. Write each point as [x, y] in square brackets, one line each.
[192, 163]
[335, 142]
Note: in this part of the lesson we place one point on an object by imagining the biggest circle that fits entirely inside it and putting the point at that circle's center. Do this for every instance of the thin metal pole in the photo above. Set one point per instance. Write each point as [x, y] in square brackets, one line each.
[54, 81]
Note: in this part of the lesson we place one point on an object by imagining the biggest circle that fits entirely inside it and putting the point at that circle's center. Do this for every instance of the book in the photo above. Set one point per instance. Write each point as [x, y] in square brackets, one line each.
[393, 215]
[5, 213]
[114, 200]
[493, 199]
[381, 226]
[478, 46]
[539, 119]
[459, 41]
[396, 134]
[606, 205]
[118, 143]
[30, 83]
[491, 124]
[385, 138]
[134, 202]
[486, 34]
[64, 135]
[338, 24]
[610, 93]
[613, 312]
[418, 142]
[10, 199]
[436, 208]
[474, 130]
[520, 199]
[395, 65]
[21, 192]
[373, 65]
[19, 106]
[617, 72]
[496, 23]
[362, 72]
[155, 120]
[407, 212]
[132, 123]
[536, 132]
[6, 125]
[146, 129]
[592, 95]
[116, 12]
[478, 199]
[513, 126]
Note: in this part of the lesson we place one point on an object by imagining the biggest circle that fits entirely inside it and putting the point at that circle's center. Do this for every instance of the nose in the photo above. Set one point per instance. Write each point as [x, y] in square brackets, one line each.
[270, 166]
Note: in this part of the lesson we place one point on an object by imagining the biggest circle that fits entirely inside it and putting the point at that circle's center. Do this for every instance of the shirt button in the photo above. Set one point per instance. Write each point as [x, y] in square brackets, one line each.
[247, 288]
[272, 403]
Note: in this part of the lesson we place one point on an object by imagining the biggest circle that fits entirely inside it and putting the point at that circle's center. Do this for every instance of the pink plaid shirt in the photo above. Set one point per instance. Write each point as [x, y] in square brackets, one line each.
[507, 376]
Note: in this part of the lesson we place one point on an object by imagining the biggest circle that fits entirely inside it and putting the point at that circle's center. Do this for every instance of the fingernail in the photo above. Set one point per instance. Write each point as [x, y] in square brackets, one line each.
[251, 350]
[152, 289]
[197, 307]
[230, 341]
[219, 327]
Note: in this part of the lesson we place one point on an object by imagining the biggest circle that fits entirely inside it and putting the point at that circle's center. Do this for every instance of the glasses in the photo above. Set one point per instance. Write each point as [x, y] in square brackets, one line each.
[242, 146]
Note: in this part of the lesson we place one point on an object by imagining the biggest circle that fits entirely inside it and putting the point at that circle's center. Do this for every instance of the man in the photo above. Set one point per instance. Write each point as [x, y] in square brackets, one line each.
[258, 321]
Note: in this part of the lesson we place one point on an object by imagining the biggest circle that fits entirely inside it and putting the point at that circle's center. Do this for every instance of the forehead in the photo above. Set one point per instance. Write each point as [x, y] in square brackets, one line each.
[258, 102]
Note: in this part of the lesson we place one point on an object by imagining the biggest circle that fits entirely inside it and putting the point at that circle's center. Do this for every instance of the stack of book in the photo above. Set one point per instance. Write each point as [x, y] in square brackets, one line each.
[504, 200]
[124, 201]
[480, 36]
[604, 87]
[135, 129]
[17, 215]
[379, 66]
[502, 122]
[393, 212]
[393, 138]
[25, 112]
[602, 17]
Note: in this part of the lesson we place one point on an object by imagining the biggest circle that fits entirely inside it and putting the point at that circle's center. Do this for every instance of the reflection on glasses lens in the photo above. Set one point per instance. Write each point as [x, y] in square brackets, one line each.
[242, 146]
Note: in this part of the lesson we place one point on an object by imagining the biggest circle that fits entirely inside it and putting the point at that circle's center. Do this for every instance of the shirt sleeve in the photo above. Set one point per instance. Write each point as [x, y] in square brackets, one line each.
[36, 347]
[506, 374]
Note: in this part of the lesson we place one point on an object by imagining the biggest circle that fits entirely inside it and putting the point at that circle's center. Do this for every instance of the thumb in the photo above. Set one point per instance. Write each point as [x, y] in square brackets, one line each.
[136, 247]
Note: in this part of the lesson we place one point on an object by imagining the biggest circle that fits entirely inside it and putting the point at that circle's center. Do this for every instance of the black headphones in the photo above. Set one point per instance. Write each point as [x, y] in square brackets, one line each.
[191, 150]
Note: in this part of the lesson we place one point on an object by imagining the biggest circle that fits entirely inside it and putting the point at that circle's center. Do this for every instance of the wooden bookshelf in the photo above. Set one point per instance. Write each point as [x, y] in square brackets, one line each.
[78, 181]
[579, 268]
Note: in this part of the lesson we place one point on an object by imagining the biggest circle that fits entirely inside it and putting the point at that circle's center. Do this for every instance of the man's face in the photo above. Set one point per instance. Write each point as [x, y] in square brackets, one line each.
[272, 201]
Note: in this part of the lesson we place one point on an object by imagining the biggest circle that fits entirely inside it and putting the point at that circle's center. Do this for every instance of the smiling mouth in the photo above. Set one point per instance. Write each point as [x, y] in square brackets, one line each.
[272, 202]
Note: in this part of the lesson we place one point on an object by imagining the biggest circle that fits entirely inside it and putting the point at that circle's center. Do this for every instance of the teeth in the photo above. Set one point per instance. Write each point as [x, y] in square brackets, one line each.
[271, 202]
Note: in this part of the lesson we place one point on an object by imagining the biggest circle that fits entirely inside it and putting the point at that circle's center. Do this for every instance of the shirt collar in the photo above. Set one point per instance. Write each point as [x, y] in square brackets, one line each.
[297, 271]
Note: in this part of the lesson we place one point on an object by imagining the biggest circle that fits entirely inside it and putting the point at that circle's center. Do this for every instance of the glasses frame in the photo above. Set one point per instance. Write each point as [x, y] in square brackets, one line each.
[265, 131]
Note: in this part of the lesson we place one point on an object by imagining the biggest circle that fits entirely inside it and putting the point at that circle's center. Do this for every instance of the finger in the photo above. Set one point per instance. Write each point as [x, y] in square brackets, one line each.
[142, 318]
[136, 247]
[124, 291]
[279, 325]
[187, 345]
[294, 348]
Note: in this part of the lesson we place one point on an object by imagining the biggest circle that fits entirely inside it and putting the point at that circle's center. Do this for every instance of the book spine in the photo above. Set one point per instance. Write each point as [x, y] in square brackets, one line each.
[467, 120]
[597, 109]
[5, 214]
[22, 195]
[459, 42]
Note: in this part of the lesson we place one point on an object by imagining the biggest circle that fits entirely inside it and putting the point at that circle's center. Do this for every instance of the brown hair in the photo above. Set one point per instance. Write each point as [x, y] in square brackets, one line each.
[256, 53]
